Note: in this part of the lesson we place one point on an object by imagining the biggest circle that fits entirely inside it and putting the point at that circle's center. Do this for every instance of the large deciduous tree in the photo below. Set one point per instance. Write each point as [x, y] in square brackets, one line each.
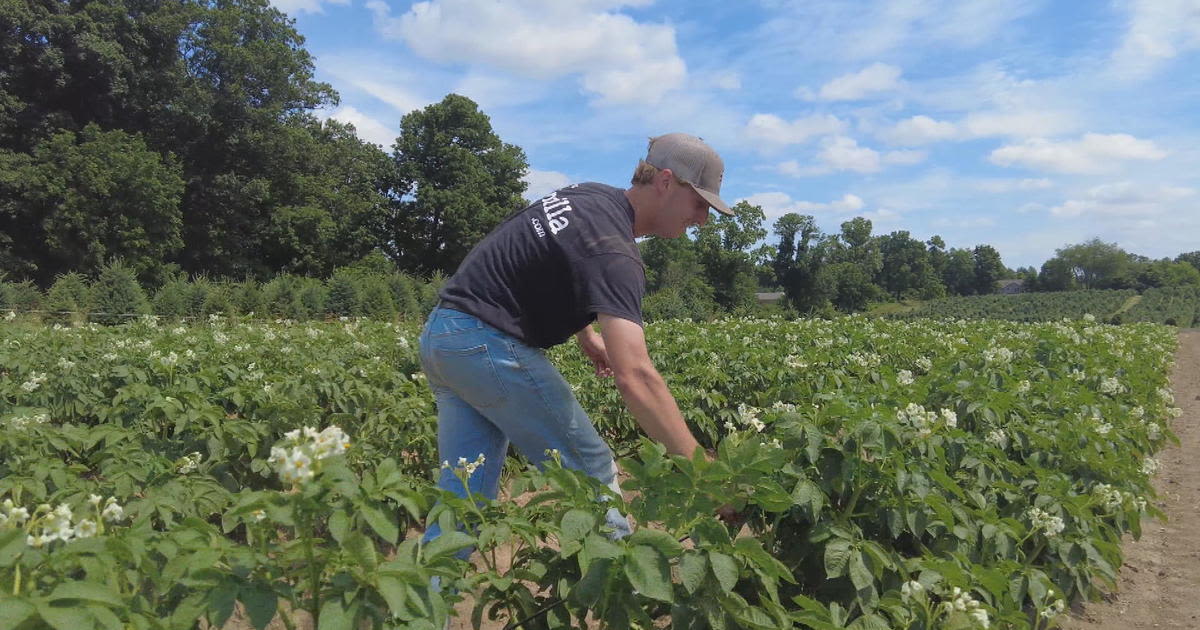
[454, 180]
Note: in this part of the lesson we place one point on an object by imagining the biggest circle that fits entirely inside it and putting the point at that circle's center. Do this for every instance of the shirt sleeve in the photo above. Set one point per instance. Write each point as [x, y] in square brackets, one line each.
[613, 284]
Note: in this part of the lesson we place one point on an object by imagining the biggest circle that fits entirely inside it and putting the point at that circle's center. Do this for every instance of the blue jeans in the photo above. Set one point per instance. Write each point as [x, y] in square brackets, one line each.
[491, 389]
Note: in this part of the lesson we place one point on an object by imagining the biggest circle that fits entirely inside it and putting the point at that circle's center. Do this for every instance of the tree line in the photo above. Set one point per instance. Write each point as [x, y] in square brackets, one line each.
[183, 139]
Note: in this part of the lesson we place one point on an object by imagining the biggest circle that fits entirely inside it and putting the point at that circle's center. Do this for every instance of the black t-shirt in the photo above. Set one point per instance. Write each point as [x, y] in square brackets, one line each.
[546, 271]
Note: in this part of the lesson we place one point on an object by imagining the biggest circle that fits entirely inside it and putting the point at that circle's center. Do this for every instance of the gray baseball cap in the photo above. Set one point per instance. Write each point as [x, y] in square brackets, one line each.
[693, 162]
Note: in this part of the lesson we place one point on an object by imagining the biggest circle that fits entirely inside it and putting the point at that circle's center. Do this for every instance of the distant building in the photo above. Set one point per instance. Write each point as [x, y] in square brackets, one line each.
[1010, 287]
[769, 298]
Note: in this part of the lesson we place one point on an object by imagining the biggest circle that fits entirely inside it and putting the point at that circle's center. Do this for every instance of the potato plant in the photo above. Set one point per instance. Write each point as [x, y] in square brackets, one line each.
[925, 474]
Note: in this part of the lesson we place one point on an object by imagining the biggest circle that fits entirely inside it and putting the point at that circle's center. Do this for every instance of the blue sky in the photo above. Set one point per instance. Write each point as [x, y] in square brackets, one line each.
[1025, 124]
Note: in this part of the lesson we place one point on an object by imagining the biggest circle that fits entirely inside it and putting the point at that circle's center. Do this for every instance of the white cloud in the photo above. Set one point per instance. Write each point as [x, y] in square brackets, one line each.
[877, 77]
[377, 77]
[1159, 30]
[542, 183]
[295, 7]
[904, 158]
[617, 58]
[1002, 185]
[777, 204]
[1093, 153]
[728, 80]
[773, 130]
[366, 128]
[920, 130]
[1028, 123]
[1125, 199]
[844, 154]
[964, 223]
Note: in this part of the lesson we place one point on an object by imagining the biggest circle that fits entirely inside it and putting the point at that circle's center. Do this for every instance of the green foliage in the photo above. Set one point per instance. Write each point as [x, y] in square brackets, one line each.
[282, 298]
[68, 299]
[21, 296]
[171, 299]
[453, 181]
[1026, 307]
[116, 295]
[343, 294]
[375, 298]
[81, 199]
[999, 472]
[672, 303]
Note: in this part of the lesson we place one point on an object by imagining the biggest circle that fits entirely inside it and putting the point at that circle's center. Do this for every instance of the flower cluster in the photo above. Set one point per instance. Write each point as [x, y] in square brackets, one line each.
[35, 381]
[295, 462]
[1150, 467]
[49, 524]
[962, 601]
[1108, 496]
[1049, 523]
[924, 421]
[1054, 609]
[188, 463]
[11, 315]
[471, 467]
[904, 377]
[1111, 385]
[998, 355]
[747, 416]
[18, 423]
[997, 438]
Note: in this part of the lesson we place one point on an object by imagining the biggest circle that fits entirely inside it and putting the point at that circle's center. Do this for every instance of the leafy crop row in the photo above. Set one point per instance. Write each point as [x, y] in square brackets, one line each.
[893, 474]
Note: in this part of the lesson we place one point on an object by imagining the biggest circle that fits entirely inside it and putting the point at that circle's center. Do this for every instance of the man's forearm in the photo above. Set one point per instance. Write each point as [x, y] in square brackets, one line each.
[655, 409]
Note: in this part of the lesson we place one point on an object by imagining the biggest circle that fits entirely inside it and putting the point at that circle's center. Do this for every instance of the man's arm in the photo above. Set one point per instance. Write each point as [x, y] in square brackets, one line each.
[641, 386]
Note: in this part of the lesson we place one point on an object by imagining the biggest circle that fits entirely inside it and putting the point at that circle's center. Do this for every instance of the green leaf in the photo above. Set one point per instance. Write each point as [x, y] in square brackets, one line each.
[12, 543]
[393, 591]
[87, 591]
[860, 575]
[725, 569]
[869, 622]
[335, 615]
[387, 529]
[589, 590]
[576, 524]
[752, 549]
[67, 617]
[13, 611]
[660, 540]
[339, 524]
[692, 569]
[361, 551]
[837, 557]
[649, 573]
[261, 603]
[448, 543]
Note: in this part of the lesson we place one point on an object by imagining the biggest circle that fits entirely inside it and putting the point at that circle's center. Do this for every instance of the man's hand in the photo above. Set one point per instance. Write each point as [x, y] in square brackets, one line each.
[593, 346]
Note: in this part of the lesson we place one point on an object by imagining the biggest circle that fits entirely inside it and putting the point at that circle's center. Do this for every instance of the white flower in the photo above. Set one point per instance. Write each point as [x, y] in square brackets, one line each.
[1053, 610]
[296, 467]
[924, 364]
[179, 330]
[10, 316]
[904, 377]
[1111, 385]
[1040, 519]
[1023, 387]
[94, 499]
[35, 381]
[189, 463]
[997, 355]
[258, 515]
[998, 438]
[85, 529]
[911, 589]
[980, 616]
[170, 360]
[1109, 496]
[950, 418]
[1150, 466]
[112, 511]
[65, 363]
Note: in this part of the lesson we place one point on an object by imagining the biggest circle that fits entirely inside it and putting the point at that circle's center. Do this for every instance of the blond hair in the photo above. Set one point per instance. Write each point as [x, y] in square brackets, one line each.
[646, 172]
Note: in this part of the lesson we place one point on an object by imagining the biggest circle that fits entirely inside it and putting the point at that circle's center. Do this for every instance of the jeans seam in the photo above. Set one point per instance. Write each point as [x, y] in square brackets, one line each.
[546, 403]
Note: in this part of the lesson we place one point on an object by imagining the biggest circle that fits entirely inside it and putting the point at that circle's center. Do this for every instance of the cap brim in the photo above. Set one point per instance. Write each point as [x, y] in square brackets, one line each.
[714, 201]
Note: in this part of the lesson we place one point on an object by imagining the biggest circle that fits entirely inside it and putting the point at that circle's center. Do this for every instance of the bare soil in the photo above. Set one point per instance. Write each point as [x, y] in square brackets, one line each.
[1159, 581]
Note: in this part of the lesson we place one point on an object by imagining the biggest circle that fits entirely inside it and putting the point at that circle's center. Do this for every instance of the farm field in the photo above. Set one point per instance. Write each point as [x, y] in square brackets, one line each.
[1174, 306]
[894, 474]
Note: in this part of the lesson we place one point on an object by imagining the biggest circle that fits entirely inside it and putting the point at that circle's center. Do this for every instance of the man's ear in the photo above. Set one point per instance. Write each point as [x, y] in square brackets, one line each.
[664, 180]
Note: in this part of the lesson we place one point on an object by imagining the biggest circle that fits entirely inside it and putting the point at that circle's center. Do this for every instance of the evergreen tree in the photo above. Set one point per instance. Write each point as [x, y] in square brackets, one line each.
[116, 295]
